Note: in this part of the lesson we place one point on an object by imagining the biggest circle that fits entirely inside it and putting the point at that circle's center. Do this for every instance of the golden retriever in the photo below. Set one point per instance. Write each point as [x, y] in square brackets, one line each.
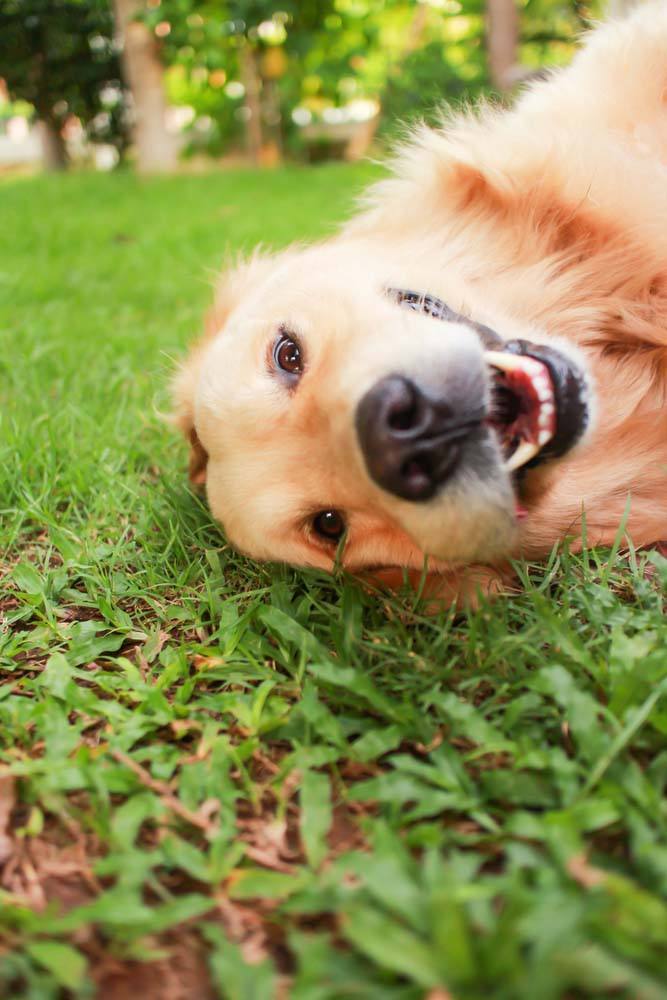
[473, 361]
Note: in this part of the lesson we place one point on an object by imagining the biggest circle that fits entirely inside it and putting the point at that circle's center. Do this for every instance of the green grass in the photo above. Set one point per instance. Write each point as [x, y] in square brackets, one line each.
[234, 780]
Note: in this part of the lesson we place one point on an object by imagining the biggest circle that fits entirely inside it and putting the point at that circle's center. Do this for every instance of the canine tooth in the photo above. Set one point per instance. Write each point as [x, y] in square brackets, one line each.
[506, 362]
[523, 454]
[518, 362]
[543, 437]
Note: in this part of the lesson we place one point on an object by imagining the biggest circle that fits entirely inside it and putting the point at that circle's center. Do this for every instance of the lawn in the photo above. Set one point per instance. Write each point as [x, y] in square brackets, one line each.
[223, 780]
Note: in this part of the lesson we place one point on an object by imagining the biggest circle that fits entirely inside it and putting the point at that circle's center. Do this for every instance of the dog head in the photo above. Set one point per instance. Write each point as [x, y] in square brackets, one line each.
[333, 410]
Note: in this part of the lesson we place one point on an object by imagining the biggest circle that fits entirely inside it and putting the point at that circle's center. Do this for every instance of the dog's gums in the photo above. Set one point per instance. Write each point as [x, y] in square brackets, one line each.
[336, 415]
[523, 410]
[541, 403]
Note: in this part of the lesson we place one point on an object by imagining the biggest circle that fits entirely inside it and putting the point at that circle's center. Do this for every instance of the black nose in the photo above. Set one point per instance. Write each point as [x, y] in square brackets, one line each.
[411, 441]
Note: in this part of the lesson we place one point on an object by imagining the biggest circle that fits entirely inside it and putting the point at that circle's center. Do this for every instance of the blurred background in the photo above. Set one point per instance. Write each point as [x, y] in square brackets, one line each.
[168, 85]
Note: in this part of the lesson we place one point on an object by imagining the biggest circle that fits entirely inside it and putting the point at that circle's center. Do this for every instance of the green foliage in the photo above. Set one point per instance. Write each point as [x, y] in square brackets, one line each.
[59, 55]
[426, 83]
[411, 58]
[309, 57]
[278, 771]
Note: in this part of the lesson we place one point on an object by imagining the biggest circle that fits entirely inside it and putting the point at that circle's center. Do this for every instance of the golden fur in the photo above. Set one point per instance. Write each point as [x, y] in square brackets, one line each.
[549, 222]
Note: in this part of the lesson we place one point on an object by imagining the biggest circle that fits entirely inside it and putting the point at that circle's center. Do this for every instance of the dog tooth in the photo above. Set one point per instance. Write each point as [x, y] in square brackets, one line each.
[500, 359]
[543, 437]
[523, 454]
[519, 362]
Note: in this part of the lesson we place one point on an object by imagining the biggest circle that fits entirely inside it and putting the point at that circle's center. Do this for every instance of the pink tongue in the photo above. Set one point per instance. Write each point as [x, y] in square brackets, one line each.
[520, 511]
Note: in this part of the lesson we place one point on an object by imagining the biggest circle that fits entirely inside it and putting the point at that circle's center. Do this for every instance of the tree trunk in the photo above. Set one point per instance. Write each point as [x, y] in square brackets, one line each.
[502, 41]
[156, 147]
[54, 151]
[253, 102]
[415, 33]
[272, 150]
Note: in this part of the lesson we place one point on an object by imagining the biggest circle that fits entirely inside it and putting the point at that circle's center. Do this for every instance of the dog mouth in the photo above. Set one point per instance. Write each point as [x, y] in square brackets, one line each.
[540, 403]
[540, 397]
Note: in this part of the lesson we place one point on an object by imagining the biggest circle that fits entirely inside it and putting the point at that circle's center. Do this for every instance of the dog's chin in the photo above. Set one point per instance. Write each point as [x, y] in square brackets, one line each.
[474, 519]
[488, 537]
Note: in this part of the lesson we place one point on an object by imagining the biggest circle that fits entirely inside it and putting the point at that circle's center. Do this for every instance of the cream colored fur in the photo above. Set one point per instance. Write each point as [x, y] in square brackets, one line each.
[547, 221]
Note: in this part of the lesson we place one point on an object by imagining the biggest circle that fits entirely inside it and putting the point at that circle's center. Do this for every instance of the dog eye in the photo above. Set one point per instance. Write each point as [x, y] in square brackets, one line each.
[287, 355]
[329, 524]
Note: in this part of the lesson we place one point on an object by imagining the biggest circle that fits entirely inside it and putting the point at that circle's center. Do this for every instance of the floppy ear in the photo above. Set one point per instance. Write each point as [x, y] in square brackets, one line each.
[234, 284]
[183, 394]
[524, 196]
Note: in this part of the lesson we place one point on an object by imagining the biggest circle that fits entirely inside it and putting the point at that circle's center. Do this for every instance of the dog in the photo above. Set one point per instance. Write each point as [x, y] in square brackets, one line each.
[474, 366]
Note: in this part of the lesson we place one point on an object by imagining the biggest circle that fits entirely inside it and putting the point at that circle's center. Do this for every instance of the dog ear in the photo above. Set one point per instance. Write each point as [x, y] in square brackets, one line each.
[234, 284]
[519, 186]
[198, 460]
[549, 225]
[183, 394]
[473, 188]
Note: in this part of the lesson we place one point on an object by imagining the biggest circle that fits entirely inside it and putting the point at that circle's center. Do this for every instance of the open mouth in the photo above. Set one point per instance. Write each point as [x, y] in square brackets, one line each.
[540, 402]
[541, 399]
